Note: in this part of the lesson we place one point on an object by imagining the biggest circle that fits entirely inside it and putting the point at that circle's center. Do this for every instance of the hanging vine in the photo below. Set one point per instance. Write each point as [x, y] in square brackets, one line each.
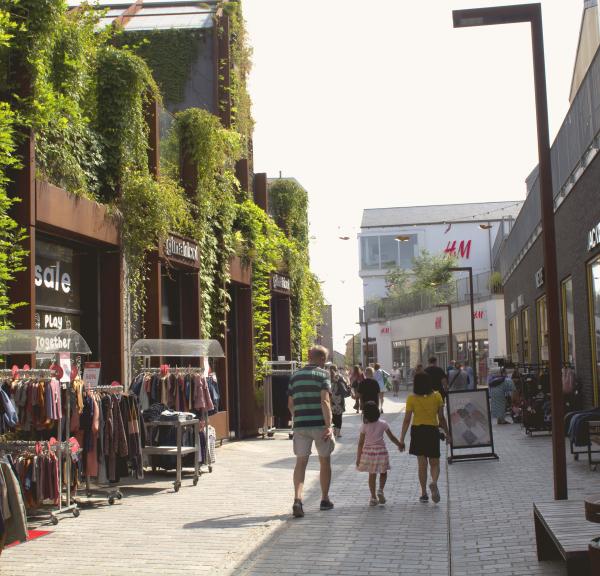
[207, 153]
[11, 235]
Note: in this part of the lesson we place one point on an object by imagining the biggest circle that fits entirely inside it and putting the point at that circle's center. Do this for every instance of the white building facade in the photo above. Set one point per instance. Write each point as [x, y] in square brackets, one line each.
[391, 238]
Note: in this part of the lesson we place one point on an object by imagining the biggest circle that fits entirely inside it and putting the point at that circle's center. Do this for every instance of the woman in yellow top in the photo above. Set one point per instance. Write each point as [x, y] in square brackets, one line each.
[426, 410]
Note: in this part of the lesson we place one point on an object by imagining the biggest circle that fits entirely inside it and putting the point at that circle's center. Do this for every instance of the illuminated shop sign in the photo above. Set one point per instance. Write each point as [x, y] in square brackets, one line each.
[179, 248]
[56, 277]
[461, 249]
[281, 283]
[594, 237]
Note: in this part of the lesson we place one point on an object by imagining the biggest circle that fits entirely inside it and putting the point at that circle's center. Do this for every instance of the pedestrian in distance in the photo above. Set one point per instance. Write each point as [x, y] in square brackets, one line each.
[425, 409]
[356, 378]
[309, 402]
[501, 389]
[458, 379]
[470, 376]
[379, 377]
[396, 380]
[368, 389]
[339, 392]
[372, 455]
[439, 381]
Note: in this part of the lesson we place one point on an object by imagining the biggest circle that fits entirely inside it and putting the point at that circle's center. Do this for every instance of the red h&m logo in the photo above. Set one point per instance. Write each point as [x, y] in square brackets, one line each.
[438, 322]
[385, 330]
[464, 249]
[479, 314]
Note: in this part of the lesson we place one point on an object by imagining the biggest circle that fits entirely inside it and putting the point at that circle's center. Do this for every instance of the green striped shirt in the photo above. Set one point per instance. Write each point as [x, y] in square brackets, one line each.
[305, 390]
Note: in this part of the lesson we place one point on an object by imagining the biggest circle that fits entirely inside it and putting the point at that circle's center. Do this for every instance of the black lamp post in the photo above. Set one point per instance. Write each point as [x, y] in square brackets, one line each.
[469, 269]
[353, 352]
[532, 13]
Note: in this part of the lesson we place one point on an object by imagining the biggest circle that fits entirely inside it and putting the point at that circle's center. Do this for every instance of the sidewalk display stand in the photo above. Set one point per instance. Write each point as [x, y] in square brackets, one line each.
[163, 348]
[280, 370]
[53, 343]
[470, 425]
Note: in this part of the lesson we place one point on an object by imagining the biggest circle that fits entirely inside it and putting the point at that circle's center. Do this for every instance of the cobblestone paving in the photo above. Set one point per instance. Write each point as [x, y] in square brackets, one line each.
[237, 520]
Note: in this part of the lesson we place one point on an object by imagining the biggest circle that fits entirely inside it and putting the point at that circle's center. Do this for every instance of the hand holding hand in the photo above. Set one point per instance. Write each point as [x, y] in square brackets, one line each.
[327, 433]
[402, 446]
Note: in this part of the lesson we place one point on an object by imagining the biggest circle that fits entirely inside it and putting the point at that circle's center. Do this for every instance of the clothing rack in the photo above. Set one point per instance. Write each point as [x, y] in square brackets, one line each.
[34, 373]
[179, 348]
[112, 494]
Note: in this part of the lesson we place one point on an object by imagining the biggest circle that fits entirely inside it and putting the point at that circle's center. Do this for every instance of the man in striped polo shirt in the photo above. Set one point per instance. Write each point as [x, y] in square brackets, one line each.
[309, 402]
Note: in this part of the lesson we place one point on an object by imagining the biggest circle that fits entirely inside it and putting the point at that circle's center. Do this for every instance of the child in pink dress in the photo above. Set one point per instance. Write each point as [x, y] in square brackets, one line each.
[372, 455]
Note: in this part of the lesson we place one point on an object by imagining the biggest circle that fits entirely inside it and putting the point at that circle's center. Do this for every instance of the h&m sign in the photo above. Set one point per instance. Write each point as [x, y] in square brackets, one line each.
[463, 250]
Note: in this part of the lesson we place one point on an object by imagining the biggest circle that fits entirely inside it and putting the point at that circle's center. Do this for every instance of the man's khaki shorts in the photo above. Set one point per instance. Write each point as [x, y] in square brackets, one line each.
[303, 440]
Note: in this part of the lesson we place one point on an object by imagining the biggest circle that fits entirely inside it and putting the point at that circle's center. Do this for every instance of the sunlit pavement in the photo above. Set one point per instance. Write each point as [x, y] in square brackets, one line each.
[237, 520]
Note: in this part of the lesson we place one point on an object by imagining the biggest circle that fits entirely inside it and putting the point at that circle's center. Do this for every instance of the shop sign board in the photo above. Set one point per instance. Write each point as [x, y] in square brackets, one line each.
[281, 283]
[56, 276]
[594, 237]
[539, 278]
[470, 423]
[91, 374]
[182, 250]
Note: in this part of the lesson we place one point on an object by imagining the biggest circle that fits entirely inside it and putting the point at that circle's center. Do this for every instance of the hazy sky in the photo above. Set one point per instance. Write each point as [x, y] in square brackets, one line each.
[374, 104]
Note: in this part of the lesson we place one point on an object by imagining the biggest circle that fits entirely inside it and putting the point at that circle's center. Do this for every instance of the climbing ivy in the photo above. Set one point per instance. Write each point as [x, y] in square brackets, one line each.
[170, 55]
[210, 151]
[262, 243]
[288, 203]
[11, 236]
[150, 209]
[241, 64]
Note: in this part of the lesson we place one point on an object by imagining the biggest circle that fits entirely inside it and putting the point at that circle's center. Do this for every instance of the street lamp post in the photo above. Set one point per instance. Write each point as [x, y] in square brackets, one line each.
[353, 353]
[450, 334]
[469, 269]
[532, 13]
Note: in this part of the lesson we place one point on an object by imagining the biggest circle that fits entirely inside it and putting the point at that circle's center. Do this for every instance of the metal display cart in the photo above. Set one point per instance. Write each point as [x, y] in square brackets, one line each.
[185, 348]
[275, 368]
[50, 343]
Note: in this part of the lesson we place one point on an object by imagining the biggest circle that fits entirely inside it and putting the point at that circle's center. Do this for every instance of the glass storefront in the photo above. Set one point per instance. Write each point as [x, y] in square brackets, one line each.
[568, 320]
[594, 287]
[513, 338]
[387, 252]
[542, 329]
[526, 330]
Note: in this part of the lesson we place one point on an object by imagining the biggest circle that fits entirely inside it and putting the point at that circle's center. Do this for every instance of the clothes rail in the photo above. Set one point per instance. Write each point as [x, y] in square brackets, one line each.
[39, 373]
[106, 388]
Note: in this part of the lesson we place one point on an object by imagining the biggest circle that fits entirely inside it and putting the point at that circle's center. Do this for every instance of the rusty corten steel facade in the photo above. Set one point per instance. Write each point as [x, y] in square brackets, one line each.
[532, 13]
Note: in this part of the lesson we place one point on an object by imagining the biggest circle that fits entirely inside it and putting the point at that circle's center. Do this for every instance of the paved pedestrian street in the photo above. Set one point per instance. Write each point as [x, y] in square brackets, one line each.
[237, 520]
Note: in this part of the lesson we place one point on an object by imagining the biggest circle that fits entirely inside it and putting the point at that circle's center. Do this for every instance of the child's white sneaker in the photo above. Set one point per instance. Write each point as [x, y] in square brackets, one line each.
[380, 496]
[373, 502]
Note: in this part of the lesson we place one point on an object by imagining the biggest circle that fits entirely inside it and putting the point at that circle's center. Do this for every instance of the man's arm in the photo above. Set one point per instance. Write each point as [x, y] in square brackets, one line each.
[291, 406]
[326, 408]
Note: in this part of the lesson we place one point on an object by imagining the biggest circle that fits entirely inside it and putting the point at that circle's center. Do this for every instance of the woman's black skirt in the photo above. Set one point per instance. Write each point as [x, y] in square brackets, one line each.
[425, 441]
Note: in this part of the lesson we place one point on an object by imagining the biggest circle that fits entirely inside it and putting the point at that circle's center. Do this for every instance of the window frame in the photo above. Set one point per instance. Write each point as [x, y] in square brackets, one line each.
[592, 327]
[542, 337]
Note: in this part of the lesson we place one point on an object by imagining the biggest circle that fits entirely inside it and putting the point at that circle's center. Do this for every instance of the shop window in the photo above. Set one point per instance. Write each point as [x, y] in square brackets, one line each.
[513, 338]
[171, 305]
[388, 247]
[408, 250]
[370, 353]
[369, 246]
[542, 329]
[568, 321]
[594, 289]
[526, 332]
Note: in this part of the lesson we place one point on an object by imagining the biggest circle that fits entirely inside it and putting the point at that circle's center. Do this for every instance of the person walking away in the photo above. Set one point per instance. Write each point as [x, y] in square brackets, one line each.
[356, 378]
[501, 388]
[457, 379]
[470, 376]
[439, 381]
[396, 380]
[368, 389]
[379, 377]
[310, 405]
[425, 409]
[372, 455]
[339, 392]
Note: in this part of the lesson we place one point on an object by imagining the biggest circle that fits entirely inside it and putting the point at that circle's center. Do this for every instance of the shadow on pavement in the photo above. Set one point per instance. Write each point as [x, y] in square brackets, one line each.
[234, 521]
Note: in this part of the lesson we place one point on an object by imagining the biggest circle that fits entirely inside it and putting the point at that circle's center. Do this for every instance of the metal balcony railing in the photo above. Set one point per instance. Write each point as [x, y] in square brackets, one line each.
[457, 291]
